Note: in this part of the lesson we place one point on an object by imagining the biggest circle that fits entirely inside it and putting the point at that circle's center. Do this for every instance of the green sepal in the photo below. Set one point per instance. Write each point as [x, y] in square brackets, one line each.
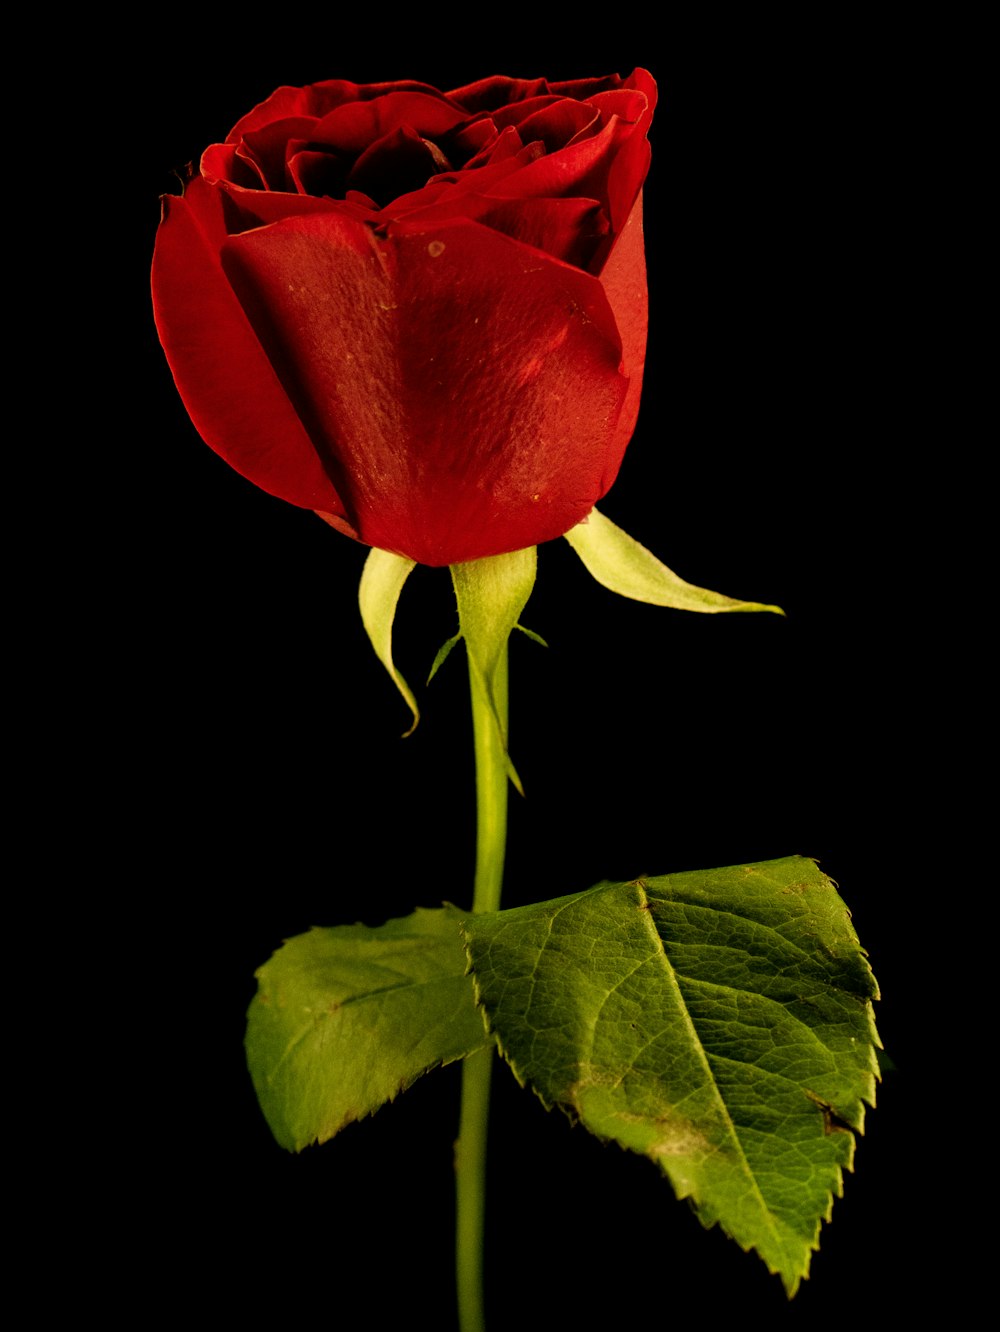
[619, 563]
[491, 594]
[719, 1022]
[345, 1018]
[382, 581]
[443, 653]
[530, 633]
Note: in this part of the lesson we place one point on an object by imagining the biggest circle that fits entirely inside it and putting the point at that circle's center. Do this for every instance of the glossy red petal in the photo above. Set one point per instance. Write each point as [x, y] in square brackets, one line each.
[268, 148]
[587, 87]
[397, 164]
[518, 111]
[624, 282]
[568, 229]
[491, 93]
[226, 381]
[447, 191]
[315, 100]
[243, 209]
[220, 161]
[352, 128]
[582, 169]
[465, 390]
[558, 123]
[643, 81]
[318, 174]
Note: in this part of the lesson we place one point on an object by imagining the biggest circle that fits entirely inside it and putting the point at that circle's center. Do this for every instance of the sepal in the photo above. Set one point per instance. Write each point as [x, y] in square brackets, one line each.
[619, 563]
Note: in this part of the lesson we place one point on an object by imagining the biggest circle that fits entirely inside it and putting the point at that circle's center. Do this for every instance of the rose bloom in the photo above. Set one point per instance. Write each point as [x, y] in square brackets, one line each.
[421, 314]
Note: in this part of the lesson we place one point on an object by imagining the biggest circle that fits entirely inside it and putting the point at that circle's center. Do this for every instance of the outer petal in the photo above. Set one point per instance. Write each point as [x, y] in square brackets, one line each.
[229, 388]
[624, 281]
[464, 389]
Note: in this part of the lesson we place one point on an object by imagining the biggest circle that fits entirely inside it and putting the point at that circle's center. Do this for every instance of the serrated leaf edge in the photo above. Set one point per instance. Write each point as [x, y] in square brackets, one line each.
[297, 1145]
[837, 1191]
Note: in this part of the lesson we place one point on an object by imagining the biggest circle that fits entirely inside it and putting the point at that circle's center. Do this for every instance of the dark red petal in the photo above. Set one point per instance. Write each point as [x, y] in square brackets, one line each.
[520, 111]
[351, 128]
[586, 87]
[473, 139]
[446, 190]
[642, 80]
[489, 94]
[465, 389]
[568, 229]
[397, 164]
[582, 168]
[506, 146]
[624, 282]
[318, 173]
[268, 148]
[629, 169]
[243, 209]
[226, 381]
[625, 103]
[316, 100]
[220, 162]
[559, 122]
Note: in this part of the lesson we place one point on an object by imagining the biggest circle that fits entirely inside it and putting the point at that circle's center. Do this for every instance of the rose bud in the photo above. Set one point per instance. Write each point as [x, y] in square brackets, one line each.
[421, 314]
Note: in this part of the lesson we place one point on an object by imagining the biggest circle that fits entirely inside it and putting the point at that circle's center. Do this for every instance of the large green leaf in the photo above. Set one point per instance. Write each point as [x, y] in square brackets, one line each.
[719, 1022]
[346, 1018]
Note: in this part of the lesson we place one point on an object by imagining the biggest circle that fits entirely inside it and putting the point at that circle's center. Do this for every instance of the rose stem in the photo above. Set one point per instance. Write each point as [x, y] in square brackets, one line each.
[491, 840]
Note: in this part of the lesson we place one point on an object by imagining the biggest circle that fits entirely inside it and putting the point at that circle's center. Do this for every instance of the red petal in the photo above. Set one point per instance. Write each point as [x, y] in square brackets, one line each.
[316, 100]
[568, 229]
[350, 129]
[465, 389]
[227, 383]
[243, 209]
[587, 87]
[624, 282]
[557, 123]
[268, 148]
[318, 173]
[220, 162]
[583, 168]
[492, 93]
[400, 163]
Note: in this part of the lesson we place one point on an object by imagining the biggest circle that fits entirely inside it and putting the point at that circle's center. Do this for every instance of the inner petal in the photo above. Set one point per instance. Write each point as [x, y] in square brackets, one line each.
[352, 128]
[318, 172]
[397, 164]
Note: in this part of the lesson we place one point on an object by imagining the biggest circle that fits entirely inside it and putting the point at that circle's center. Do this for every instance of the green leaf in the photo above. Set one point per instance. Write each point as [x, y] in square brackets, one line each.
[719, 1022]
[619, 563]
[382, 581]
[491, 594]
[346, 1018]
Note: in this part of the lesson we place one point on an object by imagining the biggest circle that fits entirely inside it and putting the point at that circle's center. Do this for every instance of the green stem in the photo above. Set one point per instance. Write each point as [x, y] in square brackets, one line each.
[491, 841]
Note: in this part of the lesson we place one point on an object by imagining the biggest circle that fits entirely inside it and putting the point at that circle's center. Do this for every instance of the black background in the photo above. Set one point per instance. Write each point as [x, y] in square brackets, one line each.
[264, 736]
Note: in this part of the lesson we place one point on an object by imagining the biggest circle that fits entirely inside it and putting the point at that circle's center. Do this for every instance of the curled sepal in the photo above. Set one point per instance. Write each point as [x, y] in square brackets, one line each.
[491, 594]
[382, 581]
[619, 563]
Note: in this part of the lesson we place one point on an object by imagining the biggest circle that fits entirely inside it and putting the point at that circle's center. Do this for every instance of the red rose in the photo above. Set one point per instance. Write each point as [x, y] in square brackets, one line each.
[421, 314]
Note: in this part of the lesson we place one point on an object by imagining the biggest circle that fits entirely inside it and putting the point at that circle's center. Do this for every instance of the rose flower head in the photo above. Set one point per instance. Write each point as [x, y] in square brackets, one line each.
[421, 314]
